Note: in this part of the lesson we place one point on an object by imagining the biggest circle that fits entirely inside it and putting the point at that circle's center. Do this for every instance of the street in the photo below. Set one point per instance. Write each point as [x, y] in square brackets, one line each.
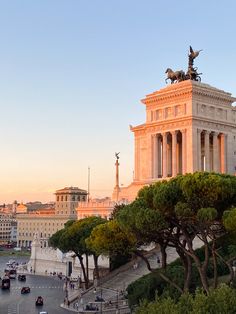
[49, 287]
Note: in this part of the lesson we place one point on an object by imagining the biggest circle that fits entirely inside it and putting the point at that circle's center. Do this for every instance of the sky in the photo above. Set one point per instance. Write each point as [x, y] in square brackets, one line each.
[73, 72]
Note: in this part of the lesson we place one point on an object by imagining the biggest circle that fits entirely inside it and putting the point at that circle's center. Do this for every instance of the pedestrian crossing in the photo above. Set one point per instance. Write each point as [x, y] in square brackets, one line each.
[12, 308]
[37, 287]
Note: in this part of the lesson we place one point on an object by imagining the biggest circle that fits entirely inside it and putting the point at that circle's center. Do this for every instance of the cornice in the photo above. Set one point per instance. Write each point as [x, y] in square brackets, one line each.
[180, 124]
[185, 90]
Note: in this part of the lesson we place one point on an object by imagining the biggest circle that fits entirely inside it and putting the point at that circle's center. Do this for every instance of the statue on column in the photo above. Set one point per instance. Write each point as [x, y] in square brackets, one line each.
[117, 187]
[117, 156]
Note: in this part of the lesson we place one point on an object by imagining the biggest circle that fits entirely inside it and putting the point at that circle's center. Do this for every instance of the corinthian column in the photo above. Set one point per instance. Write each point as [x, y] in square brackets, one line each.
[199, 150]
[207, 150]
[164, 155]
[184, 151]
[223, 142]
[154, 156]
[215, 152]
[174, 143]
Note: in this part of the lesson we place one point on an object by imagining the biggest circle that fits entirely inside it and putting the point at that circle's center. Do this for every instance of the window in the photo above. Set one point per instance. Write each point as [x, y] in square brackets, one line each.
[62, 198]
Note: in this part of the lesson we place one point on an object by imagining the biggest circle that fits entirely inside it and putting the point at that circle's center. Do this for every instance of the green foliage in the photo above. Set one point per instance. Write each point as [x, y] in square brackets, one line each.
[145, 288]
[116, 210]
[118, 260]
[221, 300]
[109, 239]
[207, 214]
[175, 271]
[74, 235]
[229, 219]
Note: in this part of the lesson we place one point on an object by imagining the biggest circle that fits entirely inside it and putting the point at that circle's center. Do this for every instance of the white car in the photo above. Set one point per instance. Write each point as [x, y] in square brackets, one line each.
[17, 249]
[43, 312]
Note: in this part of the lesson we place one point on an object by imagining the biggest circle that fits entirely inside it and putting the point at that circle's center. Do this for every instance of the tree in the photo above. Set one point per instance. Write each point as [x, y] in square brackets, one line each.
[175, 213]
[73, 238]
[109, 239]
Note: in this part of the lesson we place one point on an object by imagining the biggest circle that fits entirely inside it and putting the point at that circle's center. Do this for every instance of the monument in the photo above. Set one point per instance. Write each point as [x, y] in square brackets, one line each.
[190, 126]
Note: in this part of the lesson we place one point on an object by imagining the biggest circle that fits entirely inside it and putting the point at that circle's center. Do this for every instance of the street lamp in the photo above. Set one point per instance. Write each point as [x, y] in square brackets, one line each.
[117, 302]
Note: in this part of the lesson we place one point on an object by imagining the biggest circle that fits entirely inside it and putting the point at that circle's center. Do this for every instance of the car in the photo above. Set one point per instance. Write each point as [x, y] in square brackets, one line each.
[43, 312]
[6, 282]
[25, 290]
[12, 276]
[39, 301]
[21, 277]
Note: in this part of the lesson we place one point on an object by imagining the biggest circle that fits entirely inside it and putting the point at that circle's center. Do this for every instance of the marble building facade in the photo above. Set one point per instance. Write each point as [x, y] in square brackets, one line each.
[190, 126]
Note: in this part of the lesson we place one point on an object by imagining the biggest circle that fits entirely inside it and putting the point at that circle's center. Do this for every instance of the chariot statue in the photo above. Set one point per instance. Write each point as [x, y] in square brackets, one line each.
[192, 72]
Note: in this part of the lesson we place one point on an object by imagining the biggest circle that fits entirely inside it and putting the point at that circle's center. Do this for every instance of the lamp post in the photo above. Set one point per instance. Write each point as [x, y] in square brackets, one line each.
[117, 302]
[101, 301]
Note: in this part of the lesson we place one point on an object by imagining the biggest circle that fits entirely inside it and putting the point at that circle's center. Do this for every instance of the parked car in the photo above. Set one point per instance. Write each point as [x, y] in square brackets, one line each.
[39, 301]
[21, 277]
[43, 312]
[25, 290]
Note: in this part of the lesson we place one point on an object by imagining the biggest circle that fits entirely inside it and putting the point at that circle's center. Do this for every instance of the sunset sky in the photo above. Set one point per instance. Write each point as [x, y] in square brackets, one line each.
[72, 74]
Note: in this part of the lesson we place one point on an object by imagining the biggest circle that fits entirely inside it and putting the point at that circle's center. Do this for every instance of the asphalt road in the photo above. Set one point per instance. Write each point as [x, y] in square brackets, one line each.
[49, 287]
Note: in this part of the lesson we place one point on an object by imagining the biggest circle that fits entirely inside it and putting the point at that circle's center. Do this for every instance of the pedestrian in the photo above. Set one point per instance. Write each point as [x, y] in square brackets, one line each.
[158, 261]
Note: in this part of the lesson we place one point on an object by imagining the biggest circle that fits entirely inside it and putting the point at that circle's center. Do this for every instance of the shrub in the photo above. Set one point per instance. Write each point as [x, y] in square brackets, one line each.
[221, 300]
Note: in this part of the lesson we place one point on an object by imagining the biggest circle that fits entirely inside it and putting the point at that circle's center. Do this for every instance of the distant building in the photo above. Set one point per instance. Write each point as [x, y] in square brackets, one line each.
[95, 207]
[7, 228]
[67, 200]
[46, 221]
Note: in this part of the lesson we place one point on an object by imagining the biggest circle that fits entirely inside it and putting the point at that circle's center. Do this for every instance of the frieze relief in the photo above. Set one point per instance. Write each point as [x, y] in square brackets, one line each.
[167, 113]
[212, 126]
[211, 111]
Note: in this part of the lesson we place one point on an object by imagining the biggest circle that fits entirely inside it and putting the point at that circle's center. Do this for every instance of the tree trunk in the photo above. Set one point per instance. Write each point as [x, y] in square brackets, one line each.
[163, 276]
[95, 258]
[163, 256]
[83, 270]
[87, 266]
[201, 268]
[214, 259]
[228, 263]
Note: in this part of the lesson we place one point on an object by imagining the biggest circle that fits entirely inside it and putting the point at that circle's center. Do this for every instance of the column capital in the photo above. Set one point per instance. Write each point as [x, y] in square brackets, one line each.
[199, 130]
[215, 133]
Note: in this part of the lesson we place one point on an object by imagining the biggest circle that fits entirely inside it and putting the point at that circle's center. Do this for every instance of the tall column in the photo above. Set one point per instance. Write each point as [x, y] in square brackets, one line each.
[174, 143]
[223, 154]
[199, 150]
[164, 155]
[184, 151]
[215, 152]
[155, 156]
[207, 150]
[136, 155]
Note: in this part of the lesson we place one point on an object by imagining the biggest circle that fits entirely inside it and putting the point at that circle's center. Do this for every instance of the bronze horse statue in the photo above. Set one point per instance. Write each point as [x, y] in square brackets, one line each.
[176, 76]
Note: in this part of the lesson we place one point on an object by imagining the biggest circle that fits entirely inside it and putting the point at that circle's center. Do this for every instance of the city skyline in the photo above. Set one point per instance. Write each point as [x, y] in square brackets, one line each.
[72, 77]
